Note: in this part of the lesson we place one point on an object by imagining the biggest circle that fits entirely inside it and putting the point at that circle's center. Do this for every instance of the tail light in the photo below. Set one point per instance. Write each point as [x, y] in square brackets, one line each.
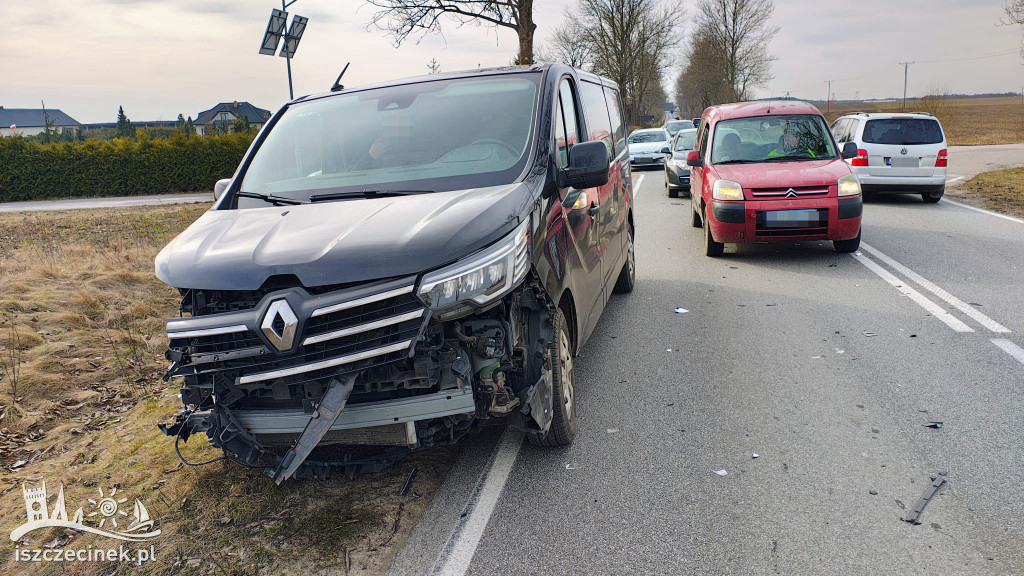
[940, 160]
[862, 158]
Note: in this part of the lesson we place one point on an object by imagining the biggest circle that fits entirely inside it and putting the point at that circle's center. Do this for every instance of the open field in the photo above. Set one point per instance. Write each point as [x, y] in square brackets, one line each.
[81, 356]
[966, 121]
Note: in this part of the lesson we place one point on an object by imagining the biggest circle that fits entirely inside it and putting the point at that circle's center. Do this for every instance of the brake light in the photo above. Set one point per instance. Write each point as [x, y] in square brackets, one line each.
[940, 160]
[861, 159]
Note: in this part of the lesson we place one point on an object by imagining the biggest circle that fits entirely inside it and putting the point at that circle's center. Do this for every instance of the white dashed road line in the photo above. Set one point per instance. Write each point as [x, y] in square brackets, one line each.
[1010, 348]
[636, 185]
[458, 552]
[933, 308]
[960, 305]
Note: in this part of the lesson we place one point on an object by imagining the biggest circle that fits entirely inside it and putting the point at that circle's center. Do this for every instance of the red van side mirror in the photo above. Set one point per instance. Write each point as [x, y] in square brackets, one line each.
[693, 159]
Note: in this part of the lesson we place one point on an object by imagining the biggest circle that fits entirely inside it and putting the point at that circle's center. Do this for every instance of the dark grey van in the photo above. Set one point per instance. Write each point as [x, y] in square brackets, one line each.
[392, 264]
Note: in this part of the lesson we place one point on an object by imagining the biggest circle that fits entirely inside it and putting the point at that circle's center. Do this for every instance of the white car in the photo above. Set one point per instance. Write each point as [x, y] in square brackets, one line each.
[896, 153]
[645, 147]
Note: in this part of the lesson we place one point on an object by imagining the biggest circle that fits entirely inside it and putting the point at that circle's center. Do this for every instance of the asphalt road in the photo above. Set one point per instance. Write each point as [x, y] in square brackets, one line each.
[825, 365]
[120, 202]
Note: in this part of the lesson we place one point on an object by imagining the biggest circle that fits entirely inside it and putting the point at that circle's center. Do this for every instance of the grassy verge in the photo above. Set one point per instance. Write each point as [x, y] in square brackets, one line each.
[81, 344]
[999, 190]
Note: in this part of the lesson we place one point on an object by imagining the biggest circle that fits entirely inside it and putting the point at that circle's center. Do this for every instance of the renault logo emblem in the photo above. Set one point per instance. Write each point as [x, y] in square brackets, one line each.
[791, 193]
[279, 325]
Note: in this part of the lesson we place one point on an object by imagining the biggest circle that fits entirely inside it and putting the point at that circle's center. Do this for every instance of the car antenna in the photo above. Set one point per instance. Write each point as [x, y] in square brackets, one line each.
[337, 83]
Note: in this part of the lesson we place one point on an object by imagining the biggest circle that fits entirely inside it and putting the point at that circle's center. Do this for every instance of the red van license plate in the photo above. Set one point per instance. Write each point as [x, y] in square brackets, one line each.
[792, 219]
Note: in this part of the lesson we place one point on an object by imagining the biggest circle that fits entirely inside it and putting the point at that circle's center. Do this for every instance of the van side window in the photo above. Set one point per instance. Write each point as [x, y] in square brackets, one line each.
[566, 130]
[615, 111]
[851, 134]
[596, 109]
[704, 140]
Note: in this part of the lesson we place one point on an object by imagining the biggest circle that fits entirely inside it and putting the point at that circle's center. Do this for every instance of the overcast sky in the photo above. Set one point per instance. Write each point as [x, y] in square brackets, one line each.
[159, 58]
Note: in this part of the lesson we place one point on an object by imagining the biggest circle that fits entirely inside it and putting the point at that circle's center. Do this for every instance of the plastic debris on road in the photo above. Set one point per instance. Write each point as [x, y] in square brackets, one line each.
[613, 430]
[681, 310]
[755, 455]
[721, 472]
[935, 425]
[870, 334]
[840, 351]
[570, 466]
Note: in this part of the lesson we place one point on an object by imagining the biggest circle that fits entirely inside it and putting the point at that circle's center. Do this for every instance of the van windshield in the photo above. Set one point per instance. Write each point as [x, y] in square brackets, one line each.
[431, 136]
[790, 137]
[902, 131]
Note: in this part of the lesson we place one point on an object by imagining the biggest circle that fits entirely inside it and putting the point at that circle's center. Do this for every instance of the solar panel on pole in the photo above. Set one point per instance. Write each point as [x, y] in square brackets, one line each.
[275, 30]
[291, 40]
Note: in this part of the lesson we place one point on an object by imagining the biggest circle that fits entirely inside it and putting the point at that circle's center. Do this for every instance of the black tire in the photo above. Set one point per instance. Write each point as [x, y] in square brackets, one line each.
[673, 193]
[933, 197]
[695, 220]
[563, 394]
[847, 246]
[711, 248]
[627, 276]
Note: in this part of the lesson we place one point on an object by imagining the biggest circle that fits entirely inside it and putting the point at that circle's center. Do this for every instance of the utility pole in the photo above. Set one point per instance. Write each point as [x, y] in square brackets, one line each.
[828, 94]
[906, 70]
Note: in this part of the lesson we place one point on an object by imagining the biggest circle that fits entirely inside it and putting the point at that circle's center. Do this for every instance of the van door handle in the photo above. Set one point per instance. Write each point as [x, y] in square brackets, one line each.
[593, 210]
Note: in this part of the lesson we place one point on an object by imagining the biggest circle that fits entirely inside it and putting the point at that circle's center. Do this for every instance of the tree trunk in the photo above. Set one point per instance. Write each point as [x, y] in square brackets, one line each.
[526, 28]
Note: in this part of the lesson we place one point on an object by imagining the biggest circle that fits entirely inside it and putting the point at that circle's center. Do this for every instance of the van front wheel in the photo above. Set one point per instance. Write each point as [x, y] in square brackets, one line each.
[563, 392]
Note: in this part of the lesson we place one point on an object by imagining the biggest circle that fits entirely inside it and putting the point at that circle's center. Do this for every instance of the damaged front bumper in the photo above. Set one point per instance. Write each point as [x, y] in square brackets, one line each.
[273, 375]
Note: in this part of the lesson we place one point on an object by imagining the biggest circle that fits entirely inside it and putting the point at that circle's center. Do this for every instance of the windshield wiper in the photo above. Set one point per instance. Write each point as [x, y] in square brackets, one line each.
[269, 198]
[365, 194]
[737, 161]
[791, 157]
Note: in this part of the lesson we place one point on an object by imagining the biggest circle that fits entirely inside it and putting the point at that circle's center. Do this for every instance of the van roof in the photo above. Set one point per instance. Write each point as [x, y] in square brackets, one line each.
[759, 108]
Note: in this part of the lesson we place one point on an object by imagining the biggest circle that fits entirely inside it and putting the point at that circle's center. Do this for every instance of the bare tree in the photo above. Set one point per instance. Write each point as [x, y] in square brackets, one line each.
[741, 31]
[630, 40]
[569, 46]
[403, 18]
[703, 81]
[1014, 15]
[433, 66]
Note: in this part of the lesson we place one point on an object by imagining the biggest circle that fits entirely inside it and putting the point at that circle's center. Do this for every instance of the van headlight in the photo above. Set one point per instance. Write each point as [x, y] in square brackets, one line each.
[726, 190]
[479, 279]
[849, 185]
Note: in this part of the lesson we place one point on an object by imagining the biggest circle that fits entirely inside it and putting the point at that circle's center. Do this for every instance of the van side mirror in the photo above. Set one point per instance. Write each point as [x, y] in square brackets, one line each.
[588, 166]
[693, 159]
[222, 185]
[696, 122]
[849, 150]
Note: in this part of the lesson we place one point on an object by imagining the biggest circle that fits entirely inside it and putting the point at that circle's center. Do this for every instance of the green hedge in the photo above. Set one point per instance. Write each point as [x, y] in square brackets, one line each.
[119, 167]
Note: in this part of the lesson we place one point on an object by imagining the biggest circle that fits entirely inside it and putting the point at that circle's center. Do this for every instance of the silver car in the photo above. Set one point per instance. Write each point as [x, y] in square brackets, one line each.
[645, 147]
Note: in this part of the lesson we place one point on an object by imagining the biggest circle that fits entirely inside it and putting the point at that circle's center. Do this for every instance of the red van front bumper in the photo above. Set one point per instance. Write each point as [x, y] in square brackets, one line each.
[772, 221]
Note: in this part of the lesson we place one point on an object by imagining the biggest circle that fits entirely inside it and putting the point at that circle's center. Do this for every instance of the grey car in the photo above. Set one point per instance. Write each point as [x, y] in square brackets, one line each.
[677, 173]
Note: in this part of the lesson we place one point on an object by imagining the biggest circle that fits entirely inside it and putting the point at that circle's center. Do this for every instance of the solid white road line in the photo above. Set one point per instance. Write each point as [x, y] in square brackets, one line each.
[636, 185]
[458, 553]
[983, 211]
[1010, 348]
[914, 295]
[957, 303]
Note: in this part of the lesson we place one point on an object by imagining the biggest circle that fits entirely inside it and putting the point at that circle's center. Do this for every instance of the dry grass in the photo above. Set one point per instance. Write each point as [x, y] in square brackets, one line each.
[82, 325]
[999, 191]
[966, 121]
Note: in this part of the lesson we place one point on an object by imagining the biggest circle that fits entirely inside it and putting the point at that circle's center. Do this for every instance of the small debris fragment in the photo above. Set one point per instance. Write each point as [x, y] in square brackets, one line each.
[873, 492]
[914, 517]
[18, 464]
[408, 482]
[815, 357]
[570, 466]
[840, 351]
[721, 472]
[870, 334]
[681, 310]
[755, 455]
[417, 495]
[613, 430]
[935, 425]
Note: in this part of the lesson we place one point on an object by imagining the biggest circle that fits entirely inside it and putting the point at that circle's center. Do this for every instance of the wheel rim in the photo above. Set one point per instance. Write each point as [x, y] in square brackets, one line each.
[565, 368]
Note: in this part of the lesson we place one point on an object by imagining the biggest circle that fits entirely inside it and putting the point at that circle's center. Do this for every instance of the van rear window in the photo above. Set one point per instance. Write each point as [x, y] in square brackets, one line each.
[902, 131]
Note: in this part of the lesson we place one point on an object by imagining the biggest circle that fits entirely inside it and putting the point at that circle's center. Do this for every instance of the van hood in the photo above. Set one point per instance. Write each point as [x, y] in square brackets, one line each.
[784, 174]
[340, 242]
[647, 147]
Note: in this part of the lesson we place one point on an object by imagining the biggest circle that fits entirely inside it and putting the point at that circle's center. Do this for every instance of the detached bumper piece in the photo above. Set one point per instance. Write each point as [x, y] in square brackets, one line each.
[327, 411]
